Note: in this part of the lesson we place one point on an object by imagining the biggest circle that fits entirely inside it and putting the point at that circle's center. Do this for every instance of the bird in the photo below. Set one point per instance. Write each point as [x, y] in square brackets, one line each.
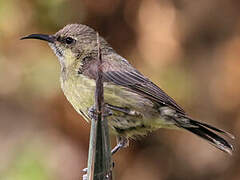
[133, 104]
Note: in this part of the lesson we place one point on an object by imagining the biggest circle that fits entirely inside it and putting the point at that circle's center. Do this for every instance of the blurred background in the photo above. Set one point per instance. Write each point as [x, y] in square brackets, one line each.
[189, 48]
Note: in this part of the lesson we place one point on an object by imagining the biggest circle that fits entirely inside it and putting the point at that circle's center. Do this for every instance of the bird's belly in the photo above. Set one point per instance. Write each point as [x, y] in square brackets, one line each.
[147, 117]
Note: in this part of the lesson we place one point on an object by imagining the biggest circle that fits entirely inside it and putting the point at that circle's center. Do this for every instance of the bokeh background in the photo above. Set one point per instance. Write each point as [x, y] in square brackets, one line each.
[189, 48]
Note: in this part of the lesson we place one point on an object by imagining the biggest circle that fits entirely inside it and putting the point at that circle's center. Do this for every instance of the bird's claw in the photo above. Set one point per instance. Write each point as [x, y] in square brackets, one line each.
[92, 112]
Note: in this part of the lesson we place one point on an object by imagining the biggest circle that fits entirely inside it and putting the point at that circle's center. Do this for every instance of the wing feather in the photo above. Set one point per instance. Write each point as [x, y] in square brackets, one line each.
[121, 73]
[138, 83]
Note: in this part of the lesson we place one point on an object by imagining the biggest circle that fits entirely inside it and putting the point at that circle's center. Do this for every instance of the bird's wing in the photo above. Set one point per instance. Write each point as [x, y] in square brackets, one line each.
[123, 74]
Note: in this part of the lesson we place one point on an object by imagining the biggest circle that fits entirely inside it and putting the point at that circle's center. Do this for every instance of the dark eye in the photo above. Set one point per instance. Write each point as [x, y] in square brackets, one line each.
[69, 40]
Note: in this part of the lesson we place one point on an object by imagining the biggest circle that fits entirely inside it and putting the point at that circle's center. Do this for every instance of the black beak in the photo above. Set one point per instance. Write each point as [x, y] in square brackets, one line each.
[44, 37]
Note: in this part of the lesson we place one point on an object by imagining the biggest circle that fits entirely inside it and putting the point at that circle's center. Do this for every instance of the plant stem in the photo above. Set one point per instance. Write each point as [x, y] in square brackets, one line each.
[99, 156]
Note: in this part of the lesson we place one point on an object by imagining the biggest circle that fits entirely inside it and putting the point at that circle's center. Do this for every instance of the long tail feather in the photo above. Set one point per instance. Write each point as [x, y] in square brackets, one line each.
[205, 131]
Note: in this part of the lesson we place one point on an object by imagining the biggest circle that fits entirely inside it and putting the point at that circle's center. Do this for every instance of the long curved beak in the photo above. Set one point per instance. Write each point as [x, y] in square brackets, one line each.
[44, 37]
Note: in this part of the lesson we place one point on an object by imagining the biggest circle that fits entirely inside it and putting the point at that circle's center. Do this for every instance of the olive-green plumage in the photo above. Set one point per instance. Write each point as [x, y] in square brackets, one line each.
[134, 105]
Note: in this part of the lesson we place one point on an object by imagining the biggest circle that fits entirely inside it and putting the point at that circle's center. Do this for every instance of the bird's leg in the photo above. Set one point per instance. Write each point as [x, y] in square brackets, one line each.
[122, 110]
[92, 112]
[122, 142]
[108, 108]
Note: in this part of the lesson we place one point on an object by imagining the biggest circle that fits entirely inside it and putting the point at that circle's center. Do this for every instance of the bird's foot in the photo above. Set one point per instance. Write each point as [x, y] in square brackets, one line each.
[122, 142]
[124, 110]
[92, 112]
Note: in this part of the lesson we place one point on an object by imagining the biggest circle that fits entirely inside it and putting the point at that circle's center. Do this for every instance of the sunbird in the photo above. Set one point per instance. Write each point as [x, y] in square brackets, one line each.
[133, 105]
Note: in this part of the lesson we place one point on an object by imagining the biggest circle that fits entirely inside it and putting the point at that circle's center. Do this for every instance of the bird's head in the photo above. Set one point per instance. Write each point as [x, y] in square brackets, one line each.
[71, 43]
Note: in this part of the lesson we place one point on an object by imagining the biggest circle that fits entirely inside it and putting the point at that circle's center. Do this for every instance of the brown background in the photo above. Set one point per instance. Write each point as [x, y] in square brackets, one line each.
[189, 48]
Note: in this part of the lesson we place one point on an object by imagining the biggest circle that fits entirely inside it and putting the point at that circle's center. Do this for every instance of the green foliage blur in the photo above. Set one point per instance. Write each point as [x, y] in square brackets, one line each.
[189, 48]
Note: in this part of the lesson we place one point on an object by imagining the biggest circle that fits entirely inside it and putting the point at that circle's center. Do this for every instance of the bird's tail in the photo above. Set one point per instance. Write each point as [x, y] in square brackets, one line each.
[206, 132]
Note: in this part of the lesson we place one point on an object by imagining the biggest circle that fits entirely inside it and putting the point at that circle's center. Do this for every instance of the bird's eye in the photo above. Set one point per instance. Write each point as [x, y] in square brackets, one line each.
[69, 40]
